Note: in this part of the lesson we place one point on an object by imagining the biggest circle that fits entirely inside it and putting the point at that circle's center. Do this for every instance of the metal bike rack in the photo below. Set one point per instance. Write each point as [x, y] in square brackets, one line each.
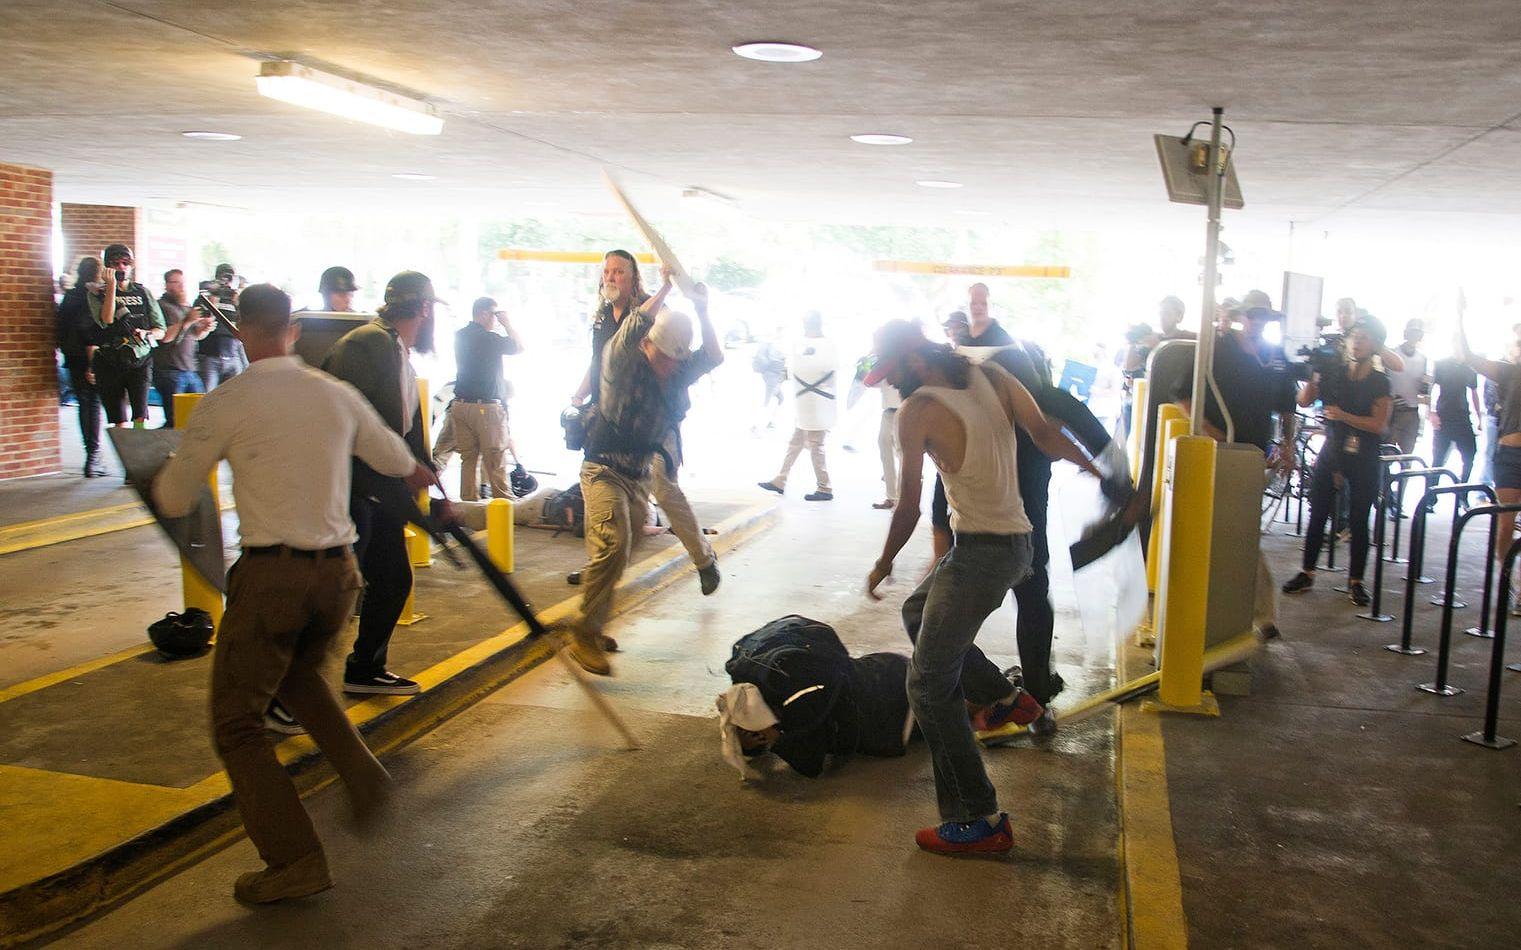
[1413, 460]
[1488, 737]
[1417, 552]
[1375, 612]
[1460, 520]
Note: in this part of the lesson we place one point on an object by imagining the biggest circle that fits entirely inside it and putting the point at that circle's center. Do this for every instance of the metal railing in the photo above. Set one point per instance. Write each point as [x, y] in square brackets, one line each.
[1460, 520]
[1417, 546]
[1489, 736]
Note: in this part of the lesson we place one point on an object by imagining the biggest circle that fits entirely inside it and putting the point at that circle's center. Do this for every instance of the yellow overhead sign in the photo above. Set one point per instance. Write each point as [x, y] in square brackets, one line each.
[561, 257]
[979, 270]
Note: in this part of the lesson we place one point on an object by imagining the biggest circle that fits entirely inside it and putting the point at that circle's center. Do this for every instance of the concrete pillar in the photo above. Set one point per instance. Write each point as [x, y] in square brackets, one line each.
[87, 229]
[28, 374]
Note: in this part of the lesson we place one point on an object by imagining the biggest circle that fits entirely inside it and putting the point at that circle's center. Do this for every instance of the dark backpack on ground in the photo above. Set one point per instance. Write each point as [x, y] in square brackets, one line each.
[764, 656]
[566, 510]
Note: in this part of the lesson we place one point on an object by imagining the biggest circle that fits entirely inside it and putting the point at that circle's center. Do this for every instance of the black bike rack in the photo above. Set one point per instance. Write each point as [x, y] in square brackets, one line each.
[1417, 552]
[1488, 737]
[1375, 612]
[1444, 649]
[1394, 549]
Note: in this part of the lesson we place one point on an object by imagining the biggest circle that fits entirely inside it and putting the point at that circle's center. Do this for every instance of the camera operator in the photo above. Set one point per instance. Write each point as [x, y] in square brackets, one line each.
[130, 323]
[1256, 382]
[1357, 402]
[220, 354]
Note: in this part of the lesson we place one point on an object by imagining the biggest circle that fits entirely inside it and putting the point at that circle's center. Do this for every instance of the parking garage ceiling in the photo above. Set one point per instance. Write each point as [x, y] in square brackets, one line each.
[1391, 113]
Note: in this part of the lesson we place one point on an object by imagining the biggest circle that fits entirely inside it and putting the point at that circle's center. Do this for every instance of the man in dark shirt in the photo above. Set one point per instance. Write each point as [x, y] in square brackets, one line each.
[220, 355]
[76, 331]
[479, 409]
[174, 363]
[984, 330]
[128, 323]
[1456, 386]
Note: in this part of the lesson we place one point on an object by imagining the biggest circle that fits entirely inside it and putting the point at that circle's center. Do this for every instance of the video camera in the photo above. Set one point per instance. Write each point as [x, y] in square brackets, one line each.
[1323, 358]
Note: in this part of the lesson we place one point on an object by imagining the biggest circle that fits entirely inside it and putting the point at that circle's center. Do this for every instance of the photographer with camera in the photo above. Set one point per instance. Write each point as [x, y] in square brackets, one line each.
[220, 356]
[129, 323]
[1357, 405]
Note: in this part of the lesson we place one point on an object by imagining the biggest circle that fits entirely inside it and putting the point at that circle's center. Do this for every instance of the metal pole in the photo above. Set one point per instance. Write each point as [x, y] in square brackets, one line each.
[1417, 543]
[1204, 352]
[1448, 598]
[1489, 737]
[1483, 629]
[1448, 603]
[1375, 613]
[1399, 512]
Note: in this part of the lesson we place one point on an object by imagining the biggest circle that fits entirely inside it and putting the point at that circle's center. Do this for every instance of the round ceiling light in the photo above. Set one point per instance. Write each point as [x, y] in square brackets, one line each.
[212, 136]
[936, 183]
[778, 52]
[880, 138]
[414, 176]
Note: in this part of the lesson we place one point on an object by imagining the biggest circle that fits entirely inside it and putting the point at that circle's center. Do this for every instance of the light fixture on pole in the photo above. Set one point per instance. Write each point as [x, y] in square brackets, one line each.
[313, 89]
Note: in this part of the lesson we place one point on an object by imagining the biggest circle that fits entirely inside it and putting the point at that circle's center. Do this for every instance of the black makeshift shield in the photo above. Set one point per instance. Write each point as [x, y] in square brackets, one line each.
[197, 535]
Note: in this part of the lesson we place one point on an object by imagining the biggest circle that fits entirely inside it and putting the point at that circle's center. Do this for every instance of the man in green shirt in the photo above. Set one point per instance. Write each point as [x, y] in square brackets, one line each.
[129, 324]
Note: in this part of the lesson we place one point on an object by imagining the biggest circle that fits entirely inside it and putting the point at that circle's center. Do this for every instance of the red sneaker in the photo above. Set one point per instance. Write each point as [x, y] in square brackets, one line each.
[1022, 711]
[968, 837]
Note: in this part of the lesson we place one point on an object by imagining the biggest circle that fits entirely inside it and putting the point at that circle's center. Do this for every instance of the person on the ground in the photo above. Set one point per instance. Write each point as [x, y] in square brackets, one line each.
[337, 287]
[964, 418]
[1170, 316]
[376, 359]
[289, 433]
[1358, 404]
[1507, 465]
[174, 359]
[814, 365]
[479, 409]
[646, 366]
[1455, 386]
[1409, 386]
[220, 356]
[622, 291]
[76, 335]
[1254, 379]
[129, 323]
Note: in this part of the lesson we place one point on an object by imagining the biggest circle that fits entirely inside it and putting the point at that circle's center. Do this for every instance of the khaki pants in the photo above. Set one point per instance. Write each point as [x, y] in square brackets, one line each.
[480, 434]
[615, 510]
[678, 511]
[887, 446]
[814, 440]
[283, 615]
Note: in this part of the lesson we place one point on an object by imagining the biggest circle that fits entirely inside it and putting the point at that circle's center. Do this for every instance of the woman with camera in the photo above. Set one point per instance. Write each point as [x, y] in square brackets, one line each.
[1357, 403]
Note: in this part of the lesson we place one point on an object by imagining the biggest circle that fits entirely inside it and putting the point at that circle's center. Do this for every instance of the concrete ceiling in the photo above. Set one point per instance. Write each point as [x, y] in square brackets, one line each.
[1387, 114]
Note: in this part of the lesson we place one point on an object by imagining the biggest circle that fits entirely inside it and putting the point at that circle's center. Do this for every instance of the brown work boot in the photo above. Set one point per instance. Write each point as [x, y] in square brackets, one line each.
[299, 878]
[586, 650]
[607, 643]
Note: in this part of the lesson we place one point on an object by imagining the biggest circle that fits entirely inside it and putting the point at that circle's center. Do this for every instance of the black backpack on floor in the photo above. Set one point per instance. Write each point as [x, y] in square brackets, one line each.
[769, 656]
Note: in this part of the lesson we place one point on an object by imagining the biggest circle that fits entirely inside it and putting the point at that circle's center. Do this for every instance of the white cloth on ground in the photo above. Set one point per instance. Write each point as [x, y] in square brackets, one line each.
[741, 706]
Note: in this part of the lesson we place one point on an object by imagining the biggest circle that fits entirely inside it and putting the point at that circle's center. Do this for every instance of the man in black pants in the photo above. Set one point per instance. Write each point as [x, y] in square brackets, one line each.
[129, 323]
[375, 358]
[1455, 385]
[76, 333]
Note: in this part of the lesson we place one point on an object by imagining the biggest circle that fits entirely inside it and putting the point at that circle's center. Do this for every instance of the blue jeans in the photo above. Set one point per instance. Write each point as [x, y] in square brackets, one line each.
[171, 381]
[943, 618]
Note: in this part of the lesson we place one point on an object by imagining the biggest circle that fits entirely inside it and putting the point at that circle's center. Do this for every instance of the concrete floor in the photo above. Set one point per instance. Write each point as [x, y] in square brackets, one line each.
[522, 823]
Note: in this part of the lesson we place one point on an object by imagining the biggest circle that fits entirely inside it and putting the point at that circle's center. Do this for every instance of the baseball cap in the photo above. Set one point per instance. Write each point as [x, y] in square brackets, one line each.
[1257, 305]
[957, 317]
[672, 334]
[337, 280]
[115, 252]
[409, 286]
[893, 341]
[225, 269]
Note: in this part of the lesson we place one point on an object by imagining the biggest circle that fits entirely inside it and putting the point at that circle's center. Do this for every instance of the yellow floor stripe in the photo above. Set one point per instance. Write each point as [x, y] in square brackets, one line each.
[77, 525]
[1153, 884]
[43, 682]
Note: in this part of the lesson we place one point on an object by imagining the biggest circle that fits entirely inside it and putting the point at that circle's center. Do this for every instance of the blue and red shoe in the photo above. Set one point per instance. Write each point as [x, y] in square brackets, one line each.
[968, 837]
[1021, 710]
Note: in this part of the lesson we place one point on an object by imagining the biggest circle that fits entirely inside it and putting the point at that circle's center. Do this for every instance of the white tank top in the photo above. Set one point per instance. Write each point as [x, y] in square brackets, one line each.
[984, 494]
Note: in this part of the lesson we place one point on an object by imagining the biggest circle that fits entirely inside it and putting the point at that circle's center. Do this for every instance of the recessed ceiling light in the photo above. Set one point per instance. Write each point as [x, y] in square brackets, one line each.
[881, 138]
[212, 136]
[414, 176]
[778, 52]
[936, 183]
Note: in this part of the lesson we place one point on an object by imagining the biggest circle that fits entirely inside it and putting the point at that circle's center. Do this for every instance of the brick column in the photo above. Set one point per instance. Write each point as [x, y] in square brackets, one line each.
[87, 229]
[28, 375]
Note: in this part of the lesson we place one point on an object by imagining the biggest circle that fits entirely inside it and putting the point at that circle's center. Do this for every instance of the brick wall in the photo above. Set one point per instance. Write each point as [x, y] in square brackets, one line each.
[28, 379]
[87, 229]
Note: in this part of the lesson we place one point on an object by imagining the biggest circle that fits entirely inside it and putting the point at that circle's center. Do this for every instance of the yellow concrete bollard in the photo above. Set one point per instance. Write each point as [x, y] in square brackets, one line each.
[409, 614]
[198, 592]
[1135, 439]
[419, 545]
[499, 533]
[1167, 413]
[1184, 597]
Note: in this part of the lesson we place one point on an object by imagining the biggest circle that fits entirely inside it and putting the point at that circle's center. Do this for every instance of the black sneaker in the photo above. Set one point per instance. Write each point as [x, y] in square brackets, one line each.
[384, 683]
[1358, 594]
[772, 486]
[573, 578]
[1299, 582]
[709, 577]
[278, 719]
[819, 495]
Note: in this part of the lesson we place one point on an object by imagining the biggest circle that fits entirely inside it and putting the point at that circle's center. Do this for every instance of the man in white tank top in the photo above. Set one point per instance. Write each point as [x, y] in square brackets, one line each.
[963, 417]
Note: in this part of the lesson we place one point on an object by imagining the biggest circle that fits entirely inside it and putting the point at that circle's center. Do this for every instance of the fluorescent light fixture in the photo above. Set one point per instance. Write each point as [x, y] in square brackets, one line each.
[414, 176]
[212, 136]
[778, 52]
[303, 86]
[880, 138]
[936, 183]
